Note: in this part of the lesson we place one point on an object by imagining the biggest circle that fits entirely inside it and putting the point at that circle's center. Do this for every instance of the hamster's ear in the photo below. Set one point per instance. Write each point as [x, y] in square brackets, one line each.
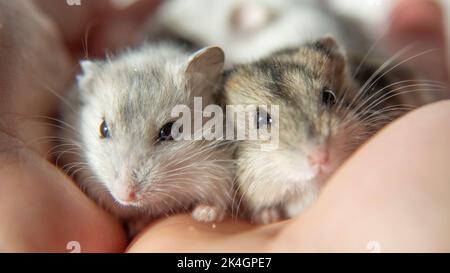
[88, 69]
[204, 70]
[334, 51]
[330, 45]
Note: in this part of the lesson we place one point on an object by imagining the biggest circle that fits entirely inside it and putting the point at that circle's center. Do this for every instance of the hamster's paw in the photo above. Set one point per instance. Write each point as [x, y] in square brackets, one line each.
[295, 208]
[207, 213]
[267, 216]
[133, 227]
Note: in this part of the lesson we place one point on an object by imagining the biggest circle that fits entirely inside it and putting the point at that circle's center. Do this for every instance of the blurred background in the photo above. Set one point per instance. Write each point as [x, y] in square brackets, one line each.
[97, 27]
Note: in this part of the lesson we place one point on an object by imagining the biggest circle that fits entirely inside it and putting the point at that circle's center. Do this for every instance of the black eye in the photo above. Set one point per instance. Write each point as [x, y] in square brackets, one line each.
[328, 97]
[262, 118]
[104, 130]
[165, 133]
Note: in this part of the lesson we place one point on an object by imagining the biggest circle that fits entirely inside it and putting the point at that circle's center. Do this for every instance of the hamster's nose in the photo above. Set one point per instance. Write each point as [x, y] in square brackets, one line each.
[127, 196]
[319, 158]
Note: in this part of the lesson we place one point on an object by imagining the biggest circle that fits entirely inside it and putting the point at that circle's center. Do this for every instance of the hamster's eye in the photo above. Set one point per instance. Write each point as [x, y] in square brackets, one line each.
[262, 118]
[165, 133]
[328, 97]
[104, 130]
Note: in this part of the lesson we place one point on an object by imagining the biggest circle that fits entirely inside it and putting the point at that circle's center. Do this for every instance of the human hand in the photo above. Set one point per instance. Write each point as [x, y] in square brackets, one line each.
[42, 209]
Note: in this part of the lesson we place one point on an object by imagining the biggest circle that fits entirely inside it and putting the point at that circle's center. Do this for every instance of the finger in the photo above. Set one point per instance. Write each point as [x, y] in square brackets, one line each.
[421, 23]
[73, 18]
[183, 234]
[32, 74]
[122, 28]
[43, 211]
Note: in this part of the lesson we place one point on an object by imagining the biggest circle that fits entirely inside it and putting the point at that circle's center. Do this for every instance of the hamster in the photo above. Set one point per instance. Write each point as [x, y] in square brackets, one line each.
[324, 115]
[251, 29]
[122, 144]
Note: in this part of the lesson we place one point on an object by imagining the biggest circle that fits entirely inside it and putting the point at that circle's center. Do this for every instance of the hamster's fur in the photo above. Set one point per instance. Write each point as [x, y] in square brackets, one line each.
[131, 172]
[324, 115]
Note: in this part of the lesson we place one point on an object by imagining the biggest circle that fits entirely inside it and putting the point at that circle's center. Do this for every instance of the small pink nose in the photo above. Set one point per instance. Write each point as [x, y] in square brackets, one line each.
[318, 158]
[131, 196]
[127, 195]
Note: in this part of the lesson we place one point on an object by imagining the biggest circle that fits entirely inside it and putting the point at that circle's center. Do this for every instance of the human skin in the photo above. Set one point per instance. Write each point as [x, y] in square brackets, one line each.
[95, 28]
[420, 24]
[41, 209]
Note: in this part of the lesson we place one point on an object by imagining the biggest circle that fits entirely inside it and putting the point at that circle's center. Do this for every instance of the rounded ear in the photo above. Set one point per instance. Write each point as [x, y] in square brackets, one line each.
[204, 70]
[333, 50]
[88, 69]
[330, 45]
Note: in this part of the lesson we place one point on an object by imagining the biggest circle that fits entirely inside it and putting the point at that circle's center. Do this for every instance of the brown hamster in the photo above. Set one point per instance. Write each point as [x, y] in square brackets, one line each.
[324, 115]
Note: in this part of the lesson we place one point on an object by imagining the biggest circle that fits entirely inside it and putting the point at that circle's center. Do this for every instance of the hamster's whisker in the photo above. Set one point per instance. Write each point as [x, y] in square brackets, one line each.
[429, 85]
[55, 93]
[370, 82]
[401, 63]
[72, 170]
[387, 112]
[69, 166]
[194, 167]
[73, 151]
[202, 151]
[59, 153]
[378, 112]
[385, 97]
[239, 194]
[58, 122]
[358, 121]
[177, 186]
[234, 191]
[86, 40]
[164, 200]
[80, 168]
[371, 49]
[57, 148]
[37, 117]
[43, 139]
[378, 71]
[376, 121]
[389, 95]
[417, 83]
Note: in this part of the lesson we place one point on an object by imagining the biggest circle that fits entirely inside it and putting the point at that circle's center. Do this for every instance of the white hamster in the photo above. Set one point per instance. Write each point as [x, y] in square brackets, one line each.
[121, 144]
[248, 30]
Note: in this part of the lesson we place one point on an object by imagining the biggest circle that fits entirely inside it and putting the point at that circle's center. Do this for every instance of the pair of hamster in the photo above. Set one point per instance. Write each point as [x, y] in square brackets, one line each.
[125, 156]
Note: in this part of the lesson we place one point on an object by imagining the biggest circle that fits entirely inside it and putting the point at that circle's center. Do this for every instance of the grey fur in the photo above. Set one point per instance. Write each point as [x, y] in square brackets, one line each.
[135, 93]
